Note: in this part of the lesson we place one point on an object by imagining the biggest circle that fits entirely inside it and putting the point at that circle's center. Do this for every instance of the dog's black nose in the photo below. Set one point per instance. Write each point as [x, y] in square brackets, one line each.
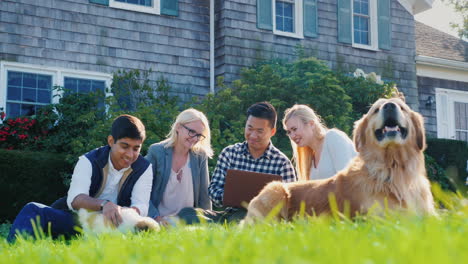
[390, 114]
[389, 106]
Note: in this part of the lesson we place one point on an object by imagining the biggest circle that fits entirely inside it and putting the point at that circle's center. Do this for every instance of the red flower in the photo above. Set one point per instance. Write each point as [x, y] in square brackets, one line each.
[22, 136]
[10, 148]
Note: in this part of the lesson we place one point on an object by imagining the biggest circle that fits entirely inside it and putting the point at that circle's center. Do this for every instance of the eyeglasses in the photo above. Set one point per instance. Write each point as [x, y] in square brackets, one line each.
[192, 133]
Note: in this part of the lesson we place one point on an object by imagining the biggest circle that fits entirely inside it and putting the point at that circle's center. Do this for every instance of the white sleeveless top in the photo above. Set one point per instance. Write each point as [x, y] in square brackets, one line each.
[337, 151]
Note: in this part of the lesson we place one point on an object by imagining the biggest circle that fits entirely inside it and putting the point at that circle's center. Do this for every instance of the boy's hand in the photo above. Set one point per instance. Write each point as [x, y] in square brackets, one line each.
[111, 212]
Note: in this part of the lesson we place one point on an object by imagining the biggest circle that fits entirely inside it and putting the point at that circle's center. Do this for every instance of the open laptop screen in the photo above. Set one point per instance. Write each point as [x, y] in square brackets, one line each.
[242, 186]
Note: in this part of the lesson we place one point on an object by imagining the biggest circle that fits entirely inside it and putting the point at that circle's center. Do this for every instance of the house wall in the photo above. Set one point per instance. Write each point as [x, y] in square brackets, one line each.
[76, 34]
[427, 88]
[239, 43]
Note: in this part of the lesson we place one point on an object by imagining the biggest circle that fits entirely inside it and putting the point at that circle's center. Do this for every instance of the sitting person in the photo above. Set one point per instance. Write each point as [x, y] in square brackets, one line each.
[105, 179]
[180, 165]
[256, 154]
[319, 152]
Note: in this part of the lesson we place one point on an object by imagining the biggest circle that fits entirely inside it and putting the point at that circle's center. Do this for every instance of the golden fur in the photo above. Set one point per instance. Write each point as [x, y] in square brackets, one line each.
[389, 169]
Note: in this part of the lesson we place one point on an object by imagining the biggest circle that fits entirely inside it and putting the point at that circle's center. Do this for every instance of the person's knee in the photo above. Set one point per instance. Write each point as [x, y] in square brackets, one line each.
[32, 207]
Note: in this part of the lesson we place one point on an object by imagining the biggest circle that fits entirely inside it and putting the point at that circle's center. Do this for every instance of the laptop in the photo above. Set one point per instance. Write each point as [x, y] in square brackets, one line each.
[242, 186]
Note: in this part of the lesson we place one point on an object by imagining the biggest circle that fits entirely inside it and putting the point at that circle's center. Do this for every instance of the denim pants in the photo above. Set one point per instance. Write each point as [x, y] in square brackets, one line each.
[61, 222]
[192, 215]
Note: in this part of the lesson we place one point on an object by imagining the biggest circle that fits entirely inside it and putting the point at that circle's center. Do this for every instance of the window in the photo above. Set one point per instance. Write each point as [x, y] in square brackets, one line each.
[136, 2]
[145, 6]
[364, 24]
[27, 92]
[452, 114]
[287, 18]
[29, 87]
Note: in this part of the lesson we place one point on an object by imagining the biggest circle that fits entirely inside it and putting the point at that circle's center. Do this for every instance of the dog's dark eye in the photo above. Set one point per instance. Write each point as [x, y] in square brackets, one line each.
[376, 110]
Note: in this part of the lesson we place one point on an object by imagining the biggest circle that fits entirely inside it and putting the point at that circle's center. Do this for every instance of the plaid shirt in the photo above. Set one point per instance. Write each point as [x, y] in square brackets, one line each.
[238, 157]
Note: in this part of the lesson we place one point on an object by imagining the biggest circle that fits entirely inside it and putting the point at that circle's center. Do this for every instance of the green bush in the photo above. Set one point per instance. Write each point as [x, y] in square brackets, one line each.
[436, 174]
[305, 81]
[30, 176]
[450, 153]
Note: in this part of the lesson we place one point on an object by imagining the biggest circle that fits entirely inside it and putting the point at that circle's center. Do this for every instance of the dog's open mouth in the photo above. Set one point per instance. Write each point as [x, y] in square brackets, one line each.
[391, 129]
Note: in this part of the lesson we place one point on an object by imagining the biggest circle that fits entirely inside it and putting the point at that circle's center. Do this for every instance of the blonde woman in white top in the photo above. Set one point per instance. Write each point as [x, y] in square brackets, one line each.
[180, 166]
[319, 152]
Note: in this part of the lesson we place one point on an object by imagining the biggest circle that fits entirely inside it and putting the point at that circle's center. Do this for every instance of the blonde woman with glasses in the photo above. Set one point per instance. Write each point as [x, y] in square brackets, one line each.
[319, 152]
[180, 167]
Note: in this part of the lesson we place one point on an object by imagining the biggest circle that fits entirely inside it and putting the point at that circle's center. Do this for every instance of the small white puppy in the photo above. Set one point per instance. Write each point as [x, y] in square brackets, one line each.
[92, 221]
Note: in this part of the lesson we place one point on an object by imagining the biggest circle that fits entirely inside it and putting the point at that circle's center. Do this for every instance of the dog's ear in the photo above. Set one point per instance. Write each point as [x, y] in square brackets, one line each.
[359, 136]
[420, 135]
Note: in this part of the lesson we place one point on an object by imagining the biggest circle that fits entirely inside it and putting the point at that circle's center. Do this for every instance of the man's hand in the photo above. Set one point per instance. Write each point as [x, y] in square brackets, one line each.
[162, 221]
[112, 213]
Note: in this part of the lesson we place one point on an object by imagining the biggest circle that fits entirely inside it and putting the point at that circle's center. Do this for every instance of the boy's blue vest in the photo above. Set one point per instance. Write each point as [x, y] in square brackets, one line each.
[99, 158]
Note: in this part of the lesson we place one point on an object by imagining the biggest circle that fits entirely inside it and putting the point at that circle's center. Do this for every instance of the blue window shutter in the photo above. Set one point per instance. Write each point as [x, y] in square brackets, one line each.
[310, 18]
[170, 7]
[100, 2]
[344, 21]
[384, 26]
[264, 14]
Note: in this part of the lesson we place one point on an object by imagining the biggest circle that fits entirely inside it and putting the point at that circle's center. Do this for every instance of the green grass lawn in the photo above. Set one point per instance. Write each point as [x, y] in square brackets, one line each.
[389, 239]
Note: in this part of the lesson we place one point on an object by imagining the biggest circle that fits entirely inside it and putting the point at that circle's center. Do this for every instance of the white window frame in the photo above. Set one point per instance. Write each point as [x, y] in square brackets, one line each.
[298, 20]
[58, 77]
[445, 110]
[155, 9]
[373, 27]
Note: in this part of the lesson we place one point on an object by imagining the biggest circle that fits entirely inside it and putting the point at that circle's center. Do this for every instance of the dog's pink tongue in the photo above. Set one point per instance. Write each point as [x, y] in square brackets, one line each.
[395, 128]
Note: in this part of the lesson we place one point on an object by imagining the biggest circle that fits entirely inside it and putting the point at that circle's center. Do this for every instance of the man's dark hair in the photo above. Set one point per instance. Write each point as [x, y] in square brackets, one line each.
[263, 110]
[127, 126]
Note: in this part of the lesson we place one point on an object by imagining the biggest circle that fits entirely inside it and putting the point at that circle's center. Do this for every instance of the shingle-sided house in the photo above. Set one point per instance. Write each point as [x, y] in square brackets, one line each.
[442, 72]
[78, 44]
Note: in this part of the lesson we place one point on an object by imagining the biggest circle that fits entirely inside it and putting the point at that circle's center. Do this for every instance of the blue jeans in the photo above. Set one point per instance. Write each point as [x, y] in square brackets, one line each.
[61, 222]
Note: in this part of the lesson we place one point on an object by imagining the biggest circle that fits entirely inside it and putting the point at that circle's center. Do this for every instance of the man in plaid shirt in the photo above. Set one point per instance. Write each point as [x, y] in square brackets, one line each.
[256, 154]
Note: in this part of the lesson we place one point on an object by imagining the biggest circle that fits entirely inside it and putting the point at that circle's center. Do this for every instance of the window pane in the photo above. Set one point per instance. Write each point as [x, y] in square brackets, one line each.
[84, 86]
[29, 95]
[288, 25]
[98, 86]
[279, 23]
[14, 93]
[356, 22]
[14, 78]
[136, 2]
[364, 24]
[365, 8]
[364, 38]
[70, 85]
[27, 109]
[357, 37]
[288, 11]
[43, 96]
[357, 6]
[44, 82]
[13, 110]
[29, 80]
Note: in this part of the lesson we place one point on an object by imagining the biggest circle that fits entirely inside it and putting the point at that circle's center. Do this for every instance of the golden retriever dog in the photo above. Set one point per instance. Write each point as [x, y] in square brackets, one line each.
[95, 222]
[389, 170]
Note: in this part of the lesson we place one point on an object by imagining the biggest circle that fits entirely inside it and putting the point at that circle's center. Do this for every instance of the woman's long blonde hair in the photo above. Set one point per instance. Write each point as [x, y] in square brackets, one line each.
[187, 116]
[304, 156]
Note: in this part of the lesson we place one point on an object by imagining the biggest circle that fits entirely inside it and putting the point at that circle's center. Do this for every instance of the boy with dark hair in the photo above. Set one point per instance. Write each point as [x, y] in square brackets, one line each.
[105, 179]
[256, 154]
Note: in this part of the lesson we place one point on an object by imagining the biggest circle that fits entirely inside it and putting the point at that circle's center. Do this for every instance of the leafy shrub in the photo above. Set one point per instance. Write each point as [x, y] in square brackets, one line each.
[305, 81]
[448, 152]
[26, 132]
[30, 176]
[436, 174]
